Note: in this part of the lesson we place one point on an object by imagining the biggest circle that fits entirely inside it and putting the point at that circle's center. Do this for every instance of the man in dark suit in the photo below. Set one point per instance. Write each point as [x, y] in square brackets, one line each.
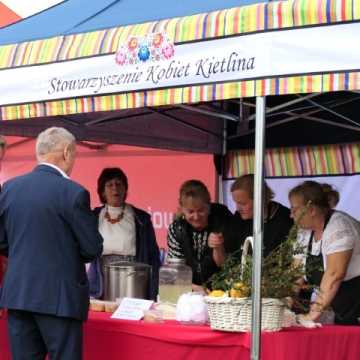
[48, 232]
[2, 259]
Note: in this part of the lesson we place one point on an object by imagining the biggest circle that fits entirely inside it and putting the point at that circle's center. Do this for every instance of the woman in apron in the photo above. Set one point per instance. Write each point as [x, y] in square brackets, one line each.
[334, 245]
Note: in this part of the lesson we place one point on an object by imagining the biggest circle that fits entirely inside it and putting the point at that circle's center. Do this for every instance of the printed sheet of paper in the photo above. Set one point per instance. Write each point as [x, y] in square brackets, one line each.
[132, 309]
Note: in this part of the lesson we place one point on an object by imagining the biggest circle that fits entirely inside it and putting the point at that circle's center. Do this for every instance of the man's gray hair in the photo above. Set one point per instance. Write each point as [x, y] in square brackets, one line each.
[52, 140]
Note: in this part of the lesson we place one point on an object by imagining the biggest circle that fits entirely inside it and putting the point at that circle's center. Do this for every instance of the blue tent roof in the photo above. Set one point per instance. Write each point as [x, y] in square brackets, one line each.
[76, 16]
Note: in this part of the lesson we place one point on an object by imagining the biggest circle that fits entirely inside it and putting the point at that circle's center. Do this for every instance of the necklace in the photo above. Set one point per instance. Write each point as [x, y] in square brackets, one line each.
[117, 219]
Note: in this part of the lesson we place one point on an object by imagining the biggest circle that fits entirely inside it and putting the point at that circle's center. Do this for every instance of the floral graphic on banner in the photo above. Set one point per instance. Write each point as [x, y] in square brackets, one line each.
[153, 47]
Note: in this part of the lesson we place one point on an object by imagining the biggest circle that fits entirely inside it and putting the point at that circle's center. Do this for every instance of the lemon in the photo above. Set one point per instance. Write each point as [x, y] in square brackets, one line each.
[217, 293]
[239, 285]
[234, 293]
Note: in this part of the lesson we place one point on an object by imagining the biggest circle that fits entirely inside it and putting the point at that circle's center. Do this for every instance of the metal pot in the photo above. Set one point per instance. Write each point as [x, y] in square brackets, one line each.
[126, 279]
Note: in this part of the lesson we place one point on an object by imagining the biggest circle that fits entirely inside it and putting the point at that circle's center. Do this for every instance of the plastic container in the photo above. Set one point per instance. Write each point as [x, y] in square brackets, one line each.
[175, 279]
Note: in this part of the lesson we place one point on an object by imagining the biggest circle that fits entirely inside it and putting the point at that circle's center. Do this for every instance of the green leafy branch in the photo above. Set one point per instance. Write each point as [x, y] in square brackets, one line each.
[279, 271]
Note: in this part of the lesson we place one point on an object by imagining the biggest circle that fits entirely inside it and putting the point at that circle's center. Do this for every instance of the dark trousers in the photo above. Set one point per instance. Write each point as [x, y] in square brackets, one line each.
[346, 303]
[33, 336]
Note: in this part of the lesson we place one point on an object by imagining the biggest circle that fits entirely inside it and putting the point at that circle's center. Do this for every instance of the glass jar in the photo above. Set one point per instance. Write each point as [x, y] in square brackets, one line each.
[175, 279]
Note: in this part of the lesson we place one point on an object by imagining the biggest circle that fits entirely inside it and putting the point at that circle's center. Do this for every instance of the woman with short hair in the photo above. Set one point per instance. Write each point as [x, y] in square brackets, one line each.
[198, 221]
[127, 231]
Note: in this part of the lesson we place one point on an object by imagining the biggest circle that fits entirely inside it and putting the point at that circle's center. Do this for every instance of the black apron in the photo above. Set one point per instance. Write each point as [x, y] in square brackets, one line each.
[314, 270]
[346, 304]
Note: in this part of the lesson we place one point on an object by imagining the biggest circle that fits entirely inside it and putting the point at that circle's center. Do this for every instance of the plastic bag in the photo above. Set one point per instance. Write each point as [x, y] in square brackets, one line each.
[191, 308]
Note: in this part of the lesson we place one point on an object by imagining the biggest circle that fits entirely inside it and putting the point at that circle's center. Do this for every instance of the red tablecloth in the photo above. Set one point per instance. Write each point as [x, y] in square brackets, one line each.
[113, 339]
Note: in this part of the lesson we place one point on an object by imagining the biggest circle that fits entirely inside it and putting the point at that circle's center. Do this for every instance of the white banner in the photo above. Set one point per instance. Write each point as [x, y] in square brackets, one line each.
[260, 55]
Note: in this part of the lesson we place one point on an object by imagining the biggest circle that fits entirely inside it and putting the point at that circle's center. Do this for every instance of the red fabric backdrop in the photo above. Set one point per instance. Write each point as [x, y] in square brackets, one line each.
[154, 175]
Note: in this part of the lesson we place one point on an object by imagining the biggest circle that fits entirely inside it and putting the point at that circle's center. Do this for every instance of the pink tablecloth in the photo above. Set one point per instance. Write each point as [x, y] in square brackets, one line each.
[113, 339]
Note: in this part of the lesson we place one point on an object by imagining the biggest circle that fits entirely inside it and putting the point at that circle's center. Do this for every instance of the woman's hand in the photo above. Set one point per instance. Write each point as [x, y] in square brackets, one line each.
[216, 242]
[334, 274]
[313, 315]
[308, 321]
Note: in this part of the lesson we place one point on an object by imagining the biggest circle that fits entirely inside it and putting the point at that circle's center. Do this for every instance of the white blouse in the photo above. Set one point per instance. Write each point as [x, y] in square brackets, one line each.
[119, 238]
[341, 233]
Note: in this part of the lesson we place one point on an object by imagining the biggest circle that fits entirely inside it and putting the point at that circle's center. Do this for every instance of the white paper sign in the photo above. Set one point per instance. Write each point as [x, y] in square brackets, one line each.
[132, 309]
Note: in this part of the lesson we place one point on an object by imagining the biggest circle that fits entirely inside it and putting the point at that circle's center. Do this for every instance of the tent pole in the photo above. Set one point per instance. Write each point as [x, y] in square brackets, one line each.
[258, 225]
[223, 153]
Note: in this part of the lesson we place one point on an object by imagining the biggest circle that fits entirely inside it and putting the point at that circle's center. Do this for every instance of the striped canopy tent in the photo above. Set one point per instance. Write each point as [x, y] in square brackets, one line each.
[182, 115]
[115, 85]
[76, 29]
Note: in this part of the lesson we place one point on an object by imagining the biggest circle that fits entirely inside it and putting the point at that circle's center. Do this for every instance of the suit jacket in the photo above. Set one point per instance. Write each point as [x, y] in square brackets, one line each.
[48, 232]
[147, 251]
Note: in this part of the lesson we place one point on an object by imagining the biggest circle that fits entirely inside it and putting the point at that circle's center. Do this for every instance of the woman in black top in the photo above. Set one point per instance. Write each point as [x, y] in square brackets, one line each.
[277, 221]
[199, 220]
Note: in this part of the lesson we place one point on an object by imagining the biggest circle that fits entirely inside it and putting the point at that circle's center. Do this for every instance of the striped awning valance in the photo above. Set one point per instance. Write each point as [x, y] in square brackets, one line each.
[342, 159]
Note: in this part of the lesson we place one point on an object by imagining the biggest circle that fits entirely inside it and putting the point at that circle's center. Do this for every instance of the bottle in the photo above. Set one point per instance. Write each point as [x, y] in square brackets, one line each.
[175, 279]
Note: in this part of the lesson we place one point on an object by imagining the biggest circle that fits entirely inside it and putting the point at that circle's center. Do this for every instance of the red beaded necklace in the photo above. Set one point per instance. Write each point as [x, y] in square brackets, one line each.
[117, 219]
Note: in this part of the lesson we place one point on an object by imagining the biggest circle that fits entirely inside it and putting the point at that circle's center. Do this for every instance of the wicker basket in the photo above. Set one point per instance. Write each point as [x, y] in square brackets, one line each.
[234, 314]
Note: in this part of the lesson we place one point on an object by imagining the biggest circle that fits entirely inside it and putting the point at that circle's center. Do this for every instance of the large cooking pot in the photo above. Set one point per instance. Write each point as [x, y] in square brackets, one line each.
[126, 279]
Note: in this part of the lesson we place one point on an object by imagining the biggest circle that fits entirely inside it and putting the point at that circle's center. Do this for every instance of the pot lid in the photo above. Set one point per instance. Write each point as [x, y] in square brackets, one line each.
[127, 265]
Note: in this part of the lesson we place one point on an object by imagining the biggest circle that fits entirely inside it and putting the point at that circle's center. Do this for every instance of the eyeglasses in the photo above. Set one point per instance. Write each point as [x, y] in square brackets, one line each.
[301, 209]
[294, 209]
